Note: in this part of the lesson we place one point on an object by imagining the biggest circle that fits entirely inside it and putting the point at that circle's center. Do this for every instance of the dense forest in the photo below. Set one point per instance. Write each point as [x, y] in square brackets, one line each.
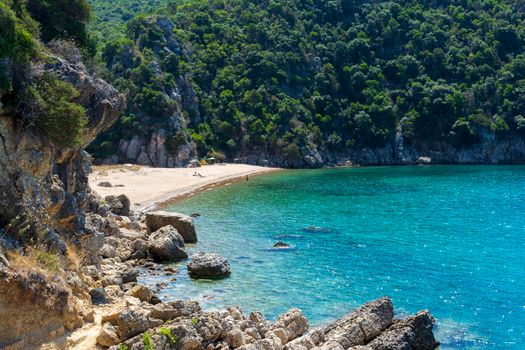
[280, 77]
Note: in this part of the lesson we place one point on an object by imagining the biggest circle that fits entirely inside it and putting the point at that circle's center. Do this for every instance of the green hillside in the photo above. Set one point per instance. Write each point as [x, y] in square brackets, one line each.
[281, 76]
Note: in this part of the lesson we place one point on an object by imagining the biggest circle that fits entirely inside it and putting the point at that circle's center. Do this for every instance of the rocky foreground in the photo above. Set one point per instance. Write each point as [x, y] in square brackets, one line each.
[183, 325]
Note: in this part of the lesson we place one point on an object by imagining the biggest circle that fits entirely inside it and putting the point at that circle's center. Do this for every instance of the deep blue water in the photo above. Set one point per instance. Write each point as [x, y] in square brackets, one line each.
[450, 239]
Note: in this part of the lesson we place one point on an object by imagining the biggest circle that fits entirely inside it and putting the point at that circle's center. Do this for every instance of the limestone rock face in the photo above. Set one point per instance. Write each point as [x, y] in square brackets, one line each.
[102, 102]
[205, 265]
[31, 309]
[46, 183]
[183, 223]
[166, 244]
[44, 186]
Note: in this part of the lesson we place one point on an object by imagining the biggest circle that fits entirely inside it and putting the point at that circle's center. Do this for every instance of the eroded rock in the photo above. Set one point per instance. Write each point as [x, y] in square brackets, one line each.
[141, 292]
[206, 265]
[183, 224]
[119, 205]
[166, 244]
[108, 335]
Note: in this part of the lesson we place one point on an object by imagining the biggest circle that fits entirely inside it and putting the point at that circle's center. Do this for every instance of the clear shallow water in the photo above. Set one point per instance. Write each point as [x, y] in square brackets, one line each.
[447, 238]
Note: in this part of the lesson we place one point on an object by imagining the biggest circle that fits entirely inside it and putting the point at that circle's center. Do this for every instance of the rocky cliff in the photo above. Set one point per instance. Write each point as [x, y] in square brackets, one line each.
[162, 100]
[42, 181]
[44, 195]
[491, 149]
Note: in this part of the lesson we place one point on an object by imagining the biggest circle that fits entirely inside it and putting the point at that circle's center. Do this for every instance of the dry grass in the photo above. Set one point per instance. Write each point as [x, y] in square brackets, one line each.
[36, 260]
[74, 257]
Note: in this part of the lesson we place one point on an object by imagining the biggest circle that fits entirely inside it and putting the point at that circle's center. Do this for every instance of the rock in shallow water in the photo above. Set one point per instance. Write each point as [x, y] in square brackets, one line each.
[183, 224]
[206, 265]
[281, 245]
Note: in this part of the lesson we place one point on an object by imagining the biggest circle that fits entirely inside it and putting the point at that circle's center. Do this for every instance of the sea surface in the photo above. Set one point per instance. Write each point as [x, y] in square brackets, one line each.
[450, 239]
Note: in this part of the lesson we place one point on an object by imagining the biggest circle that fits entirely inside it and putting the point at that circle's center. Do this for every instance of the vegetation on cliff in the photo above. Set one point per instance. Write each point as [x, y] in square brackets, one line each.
[42, 100]
[281, 76]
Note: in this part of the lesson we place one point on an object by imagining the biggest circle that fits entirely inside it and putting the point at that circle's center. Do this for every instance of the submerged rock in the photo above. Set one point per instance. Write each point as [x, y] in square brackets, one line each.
[281, 245]
[183, 224]
[166, 244]
[205, 265]
[317, 229]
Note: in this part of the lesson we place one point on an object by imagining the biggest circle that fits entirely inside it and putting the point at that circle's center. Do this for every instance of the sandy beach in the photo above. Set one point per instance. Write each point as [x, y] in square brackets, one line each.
[148, 188]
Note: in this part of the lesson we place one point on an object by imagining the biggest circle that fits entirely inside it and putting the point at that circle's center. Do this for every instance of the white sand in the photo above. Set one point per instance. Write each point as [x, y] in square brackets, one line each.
[148, 187]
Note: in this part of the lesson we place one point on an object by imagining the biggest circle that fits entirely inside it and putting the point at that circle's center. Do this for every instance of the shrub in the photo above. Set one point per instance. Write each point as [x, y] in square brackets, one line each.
[47, 260]
[16, 43]
[292, 152]
[57, 114]
[167, 333]
[147, 342]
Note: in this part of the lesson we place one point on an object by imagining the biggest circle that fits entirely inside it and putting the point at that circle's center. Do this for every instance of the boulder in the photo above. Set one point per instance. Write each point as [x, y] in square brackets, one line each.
[119, 205]
[130, 274]
[141, 292]
[307, 341]
[140, 249]
[108, 251]
[105, 184]
[411, 333]
[281, 245]
[133, 322]
[294, 323]
[98, 296]
[360, 326]
[424, 161]
[235, 338]
[183, 224]
[166, 244]
[204, 265]
[108, 335]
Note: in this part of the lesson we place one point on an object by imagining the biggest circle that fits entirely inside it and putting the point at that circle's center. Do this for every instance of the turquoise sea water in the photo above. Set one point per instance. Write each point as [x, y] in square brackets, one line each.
[447, 238]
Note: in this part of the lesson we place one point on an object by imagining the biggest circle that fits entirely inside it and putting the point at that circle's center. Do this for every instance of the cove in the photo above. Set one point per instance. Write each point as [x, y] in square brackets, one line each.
[447, 238]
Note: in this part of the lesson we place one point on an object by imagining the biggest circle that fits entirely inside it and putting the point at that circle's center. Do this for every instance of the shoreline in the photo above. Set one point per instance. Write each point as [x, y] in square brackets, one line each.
[137, 182]
[153, 188]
